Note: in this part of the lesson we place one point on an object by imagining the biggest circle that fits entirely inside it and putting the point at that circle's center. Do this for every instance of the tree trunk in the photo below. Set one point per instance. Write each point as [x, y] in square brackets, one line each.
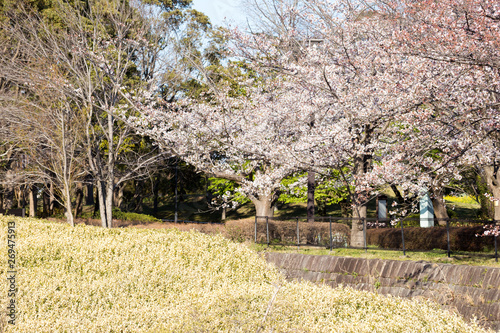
[46, 202]
[156, 190]
[52, 198]
[263, 206]
[67, 205]
[33, 200]
[110, 177]
[102, 203]
[8, 201]
[358, 224]
[109, 202]
[361, 163]
[19, 195]
[492, 174]
[138, 196]
[311, 185]
[440, 212]
[96, 204]
[118, 195]
[79, 199]
[223, 213]
[89, 200]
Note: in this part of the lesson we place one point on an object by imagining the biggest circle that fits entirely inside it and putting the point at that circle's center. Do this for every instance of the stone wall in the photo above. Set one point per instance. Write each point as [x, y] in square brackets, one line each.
[470, 290]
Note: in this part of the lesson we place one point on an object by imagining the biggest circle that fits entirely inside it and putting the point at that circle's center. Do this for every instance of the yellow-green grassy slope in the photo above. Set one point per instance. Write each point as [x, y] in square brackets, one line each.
[87, 279]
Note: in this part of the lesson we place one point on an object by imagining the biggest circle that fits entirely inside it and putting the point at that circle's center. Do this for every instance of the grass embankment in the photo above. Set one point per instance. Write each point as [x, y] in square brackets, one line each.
[88, 279]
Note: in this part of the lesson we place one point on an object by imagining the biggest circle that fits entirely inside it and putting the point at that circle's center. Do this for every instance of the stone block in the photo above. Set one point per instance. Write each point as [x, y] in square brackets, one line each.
[386, 269]
[385, 281]
[492, 279]
[491, 295]
[395, 269]
[376, 267]
[363, 267]
[451, 274]
[350, 265]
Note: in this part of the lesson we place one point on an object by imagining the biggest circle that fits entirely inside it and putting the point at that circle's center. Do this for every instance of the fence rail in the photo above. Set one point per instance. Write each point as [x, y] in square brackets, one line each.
[193, 222]
[325, 231]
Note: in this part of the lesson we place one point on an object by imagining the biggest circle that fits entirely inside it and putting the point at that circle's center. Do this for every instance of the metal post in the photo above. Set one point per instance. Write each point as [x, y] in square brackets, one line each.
[403, 237]
[176, 180]
[331, 241]
[496, 249]
[255, 229]
[364, 233]
[298, 235]
[267, 230]
[448, 235]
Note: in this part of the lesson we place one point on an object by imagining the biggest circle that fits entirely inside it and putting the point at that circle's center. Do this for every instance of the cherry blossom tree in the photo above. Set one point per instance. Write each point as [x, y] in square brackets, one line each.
[418, 121]
[349, 89]
[310, 107]
[465, 37]
[230, 135]
[347, 92]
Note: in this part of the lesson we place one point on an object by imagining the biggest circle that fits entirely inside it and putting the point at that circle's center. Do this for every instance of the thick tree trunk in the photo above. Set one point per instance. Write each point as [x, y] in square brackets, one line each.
[67, 205]
[33, 200]
[89, 200]
[492, 175]
[263, 206]
[311, 185]
[358, 224]
[110, 181]
[440, 212]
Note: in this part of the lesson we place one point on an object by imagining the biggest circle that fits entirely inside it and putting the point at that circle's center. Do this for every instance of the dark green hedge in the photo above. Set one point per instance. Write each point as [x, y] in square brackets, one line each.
[416, 238]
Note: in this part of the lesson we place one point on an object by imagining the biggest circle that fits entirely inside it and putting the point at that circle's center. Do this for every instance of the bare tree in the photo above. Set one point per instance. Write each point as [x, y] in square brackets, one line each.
[96, 61]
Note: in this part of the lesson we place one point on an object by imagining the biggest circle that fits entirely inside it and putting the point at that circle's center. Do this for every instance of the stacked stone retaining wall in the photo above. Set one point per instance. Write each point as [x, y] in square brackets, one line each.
[469, 290]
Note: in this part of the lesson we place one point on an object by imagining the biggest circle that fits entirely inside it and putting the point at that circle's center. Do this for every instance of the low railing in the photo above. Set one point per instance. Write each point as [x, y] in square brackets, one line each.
[194, 222]
[325, 231]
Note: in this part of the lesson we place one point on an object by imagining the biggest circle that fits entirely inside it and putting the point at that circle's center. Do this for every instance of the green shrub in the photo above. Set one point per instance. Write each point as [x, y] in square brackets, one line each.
[136, 217]
[126, 216]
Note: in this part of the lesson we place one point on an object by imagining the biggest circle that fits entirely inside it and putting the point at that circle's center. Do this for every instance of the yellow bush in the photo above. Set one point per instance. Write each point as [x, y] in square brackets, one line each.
[463, 199]
[88, 279]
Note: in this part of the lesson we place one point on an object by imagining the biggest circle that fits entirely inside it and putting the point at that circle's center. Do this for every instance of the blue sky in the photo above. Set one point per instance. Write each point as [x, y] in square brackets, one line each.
[222, 11]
